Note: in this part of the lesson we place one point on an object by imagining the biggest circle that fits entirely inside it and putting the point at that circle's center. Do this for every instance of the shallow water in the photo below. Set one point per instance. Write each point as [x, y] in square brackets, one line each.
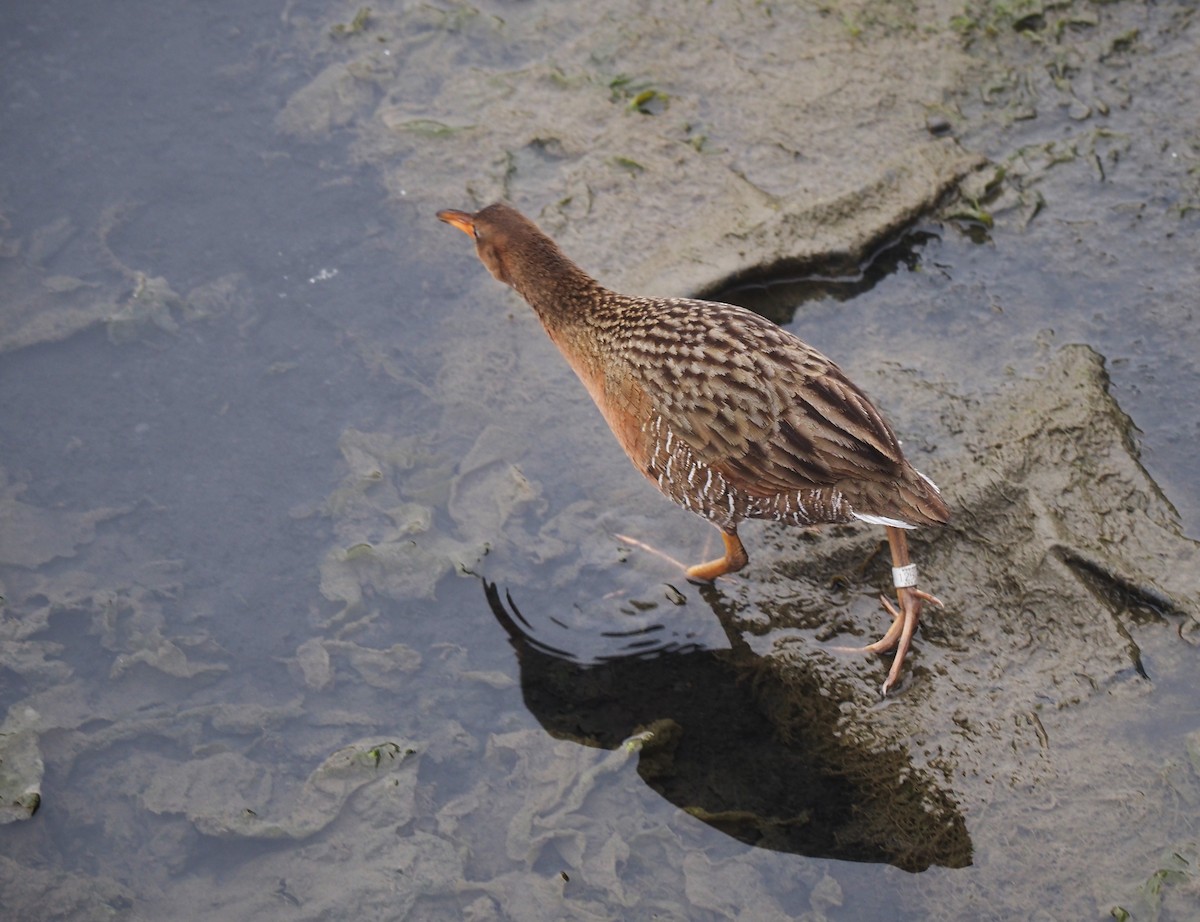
[294, 508]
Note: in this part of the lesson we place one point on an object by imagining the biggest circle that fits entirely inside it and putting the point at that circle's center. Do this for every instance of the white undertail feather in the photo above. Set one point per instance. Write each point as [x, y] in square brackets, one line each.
[880, 520]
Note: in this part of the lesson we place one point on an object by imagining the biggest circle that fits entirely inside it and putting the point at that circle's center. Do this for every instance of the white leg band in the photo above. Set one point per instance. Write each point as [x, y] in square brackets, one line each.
[904, 577]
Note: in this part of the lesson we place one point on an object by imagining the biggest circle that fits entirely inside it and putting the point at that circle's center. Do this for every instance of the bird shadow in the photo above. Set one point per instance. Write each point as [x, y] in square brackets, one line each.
[753, 750]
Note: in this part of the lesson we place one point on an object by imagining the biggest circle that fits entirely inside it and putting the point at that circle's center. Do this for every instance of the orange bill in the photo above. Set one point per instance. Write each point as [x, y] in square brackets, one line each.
[460, 219]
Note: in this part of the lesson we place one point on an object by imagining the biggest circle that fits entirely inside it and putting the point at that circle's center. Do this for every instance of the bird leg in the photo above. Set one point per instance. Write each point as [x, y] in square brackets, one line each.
[735, 558]
[904, 618]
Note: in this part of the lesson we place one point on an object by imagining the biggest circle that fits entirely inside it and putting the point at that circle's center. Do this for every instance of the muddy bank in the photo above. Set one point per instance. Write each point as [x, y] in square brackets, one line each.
[664, 156]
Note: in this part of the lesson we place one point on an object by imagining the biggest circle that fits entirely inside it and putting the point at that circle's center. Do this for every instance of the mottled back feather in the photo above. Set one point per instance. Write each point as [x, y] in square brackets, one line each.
[748, 397]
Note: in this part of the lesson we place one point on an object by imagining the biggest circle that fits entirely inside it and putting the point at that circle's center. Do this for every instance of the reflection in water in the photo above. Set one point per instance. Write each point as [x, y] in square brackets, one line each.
[747, 746]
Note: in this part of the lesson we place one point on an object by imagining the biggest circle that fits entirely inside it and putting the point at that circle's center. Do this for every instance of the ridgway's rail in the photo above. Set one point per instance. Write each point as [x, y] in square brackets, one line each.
[728, 414]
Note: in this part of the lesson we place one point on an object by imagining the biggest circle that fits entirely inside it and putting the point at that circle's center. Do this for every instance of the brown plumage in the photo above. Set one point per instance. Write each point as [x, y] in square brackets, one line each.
[728, 414]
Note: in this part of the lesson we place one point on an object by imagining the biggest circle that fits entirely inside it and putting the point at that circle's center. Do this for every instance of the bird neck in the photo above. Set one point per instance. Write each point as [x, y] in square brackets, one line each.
[575, 310]
[564, 297]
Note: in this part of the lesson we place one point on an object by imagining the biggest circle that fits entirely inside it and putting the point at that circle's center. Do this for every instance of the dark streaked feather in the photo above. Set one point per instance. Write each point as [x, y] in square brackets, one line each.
[753, 400]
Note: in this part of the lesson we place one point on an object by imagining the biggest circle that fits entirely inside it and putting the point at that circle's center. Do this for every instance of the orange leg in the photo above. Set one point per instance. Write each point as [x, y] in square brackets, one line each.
[735, 558]
[904, 619]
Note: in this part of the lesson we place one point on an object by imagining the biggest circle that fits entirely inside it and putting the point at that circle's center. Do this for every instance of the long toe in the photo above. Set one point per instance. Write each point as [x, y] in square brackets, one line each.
[651, 549]
[890, 639]
[908, 616]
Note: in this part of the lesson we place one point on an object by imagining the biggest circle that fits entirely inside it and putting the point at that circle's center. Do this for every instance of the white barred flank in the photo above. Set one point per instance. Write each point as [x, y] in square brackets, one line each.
[715, 498]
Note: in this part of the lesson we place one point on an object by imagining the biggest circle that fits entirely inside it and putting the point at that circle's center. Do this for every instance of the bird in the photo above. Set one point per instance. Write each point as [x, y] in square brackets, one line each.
[728, 414]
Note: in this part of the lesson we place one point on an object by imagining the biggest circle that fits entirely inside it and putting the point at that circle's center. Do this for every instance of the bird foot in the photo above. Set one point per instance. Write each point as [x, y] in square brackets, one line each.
[899, 635]
[708, 572]
[735, 558]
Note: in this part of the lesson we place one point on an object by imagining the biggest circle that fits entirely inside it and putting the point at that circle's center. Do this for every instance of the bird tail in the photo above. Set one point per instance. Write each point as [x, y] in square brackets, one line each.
[911, 501]
[923, 500]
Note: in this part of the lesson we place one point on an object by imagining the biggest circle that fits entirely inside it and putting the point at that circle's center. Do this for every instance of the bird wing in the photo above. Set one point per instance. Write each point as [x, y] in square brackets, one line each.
[755, 402]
